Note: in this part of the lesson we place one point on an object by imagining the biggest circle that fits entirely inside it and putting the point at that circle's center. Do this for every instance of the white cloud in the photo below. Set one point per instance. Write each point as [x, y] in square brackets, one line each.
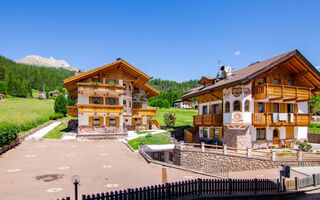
[237, 53]
[317, 67]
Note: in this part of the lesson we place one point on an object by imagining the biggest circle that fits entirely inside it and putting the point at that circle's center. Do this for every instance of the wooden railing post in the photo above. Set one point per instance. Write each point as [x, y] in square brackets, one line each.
[199, 186]
[299, 155]
[273, 155]
[248, 152]
[296, 180]
[255, 185]
[182, 145]
[314, 180]
[225, 149]
[202, 146]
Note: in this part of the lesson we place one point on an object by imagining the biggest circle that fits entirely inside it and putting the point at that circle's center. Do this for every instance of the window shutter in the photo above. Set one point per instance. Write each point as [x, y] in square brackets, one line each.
[220, 108]
[108, 121]
[101, 100]
[117, 121]
[211, 132]
[90, 100]
[210, 109]
[255, 107]
[220, 133]
[269, 106]
[116, 101]
[101, 121]
[90, 121]
[295, 107]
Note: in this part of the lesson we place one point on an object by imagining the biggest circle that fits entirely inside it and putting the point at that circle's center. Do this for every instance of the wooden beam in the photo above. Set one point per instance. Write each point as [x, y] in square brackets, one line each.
[302, 100]
[291, 99]
[300, 75]
[292, 66]
[275, 99]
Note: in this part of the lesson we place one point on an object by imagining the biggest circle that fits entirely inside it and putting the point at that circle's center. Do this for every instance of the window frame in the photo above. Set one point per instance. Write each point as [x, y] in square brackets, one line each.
[96, 98]
[247, 107]
[240, 109]
[259, 134]
[115, 121]
[227, 107]
[263, 107]
[204, 113]
[263, 81]
[94, 120]
[114, 101]
[112, 81]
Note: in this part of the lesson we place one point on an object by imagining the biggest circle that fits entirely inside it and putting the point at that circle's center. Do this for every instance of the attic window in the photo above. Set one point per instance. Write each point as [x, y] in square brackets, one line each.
[95, 80]
[206, 85]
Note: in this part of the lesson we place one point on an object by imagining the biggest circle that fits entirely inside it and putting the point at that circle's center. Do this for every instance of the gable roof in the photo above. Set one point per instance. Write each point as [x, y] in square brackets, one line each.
[248, 73]
[141, 77]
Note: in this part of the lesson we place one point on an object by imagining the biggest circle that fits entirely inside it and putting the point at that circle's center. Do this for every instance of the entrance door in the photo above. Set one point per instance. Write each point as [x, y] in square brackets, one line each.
[276, 137]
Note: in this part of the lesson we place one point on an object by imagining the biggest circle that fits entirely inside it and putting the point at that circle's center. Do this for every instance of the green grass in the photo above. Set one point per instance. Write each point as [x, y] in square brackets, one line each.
[155, 139]
[57, 132]
[183, 116]
[143, 132]
[21, 110]
[314, 128]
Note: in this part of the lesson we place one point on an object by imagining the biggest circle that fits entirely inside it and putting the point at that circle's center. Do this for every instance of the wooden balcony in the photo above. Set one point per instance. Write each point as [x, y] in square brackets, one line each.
[99, 108]
[144, 111]
[72, 111]
[266, 119]
[208, 120]
[281, 92]
[100, 90]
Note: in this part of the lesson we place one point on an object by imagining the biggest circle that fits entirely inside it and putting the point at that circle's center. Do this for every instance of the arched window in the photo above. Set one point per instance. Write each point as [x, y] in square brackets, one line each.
[227, 109]
[237, 105]
[247, 106]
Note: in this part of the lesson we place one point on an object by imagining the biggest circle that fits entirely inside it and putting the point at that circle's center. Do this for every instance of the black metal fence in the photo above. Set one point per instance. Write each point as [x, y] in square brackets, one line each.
[197, 187]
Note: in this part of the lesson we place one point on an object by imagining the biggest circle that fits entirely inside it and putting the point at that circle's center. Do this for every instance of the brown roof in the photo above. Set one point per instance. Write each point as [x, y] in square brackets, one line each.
[245, 74]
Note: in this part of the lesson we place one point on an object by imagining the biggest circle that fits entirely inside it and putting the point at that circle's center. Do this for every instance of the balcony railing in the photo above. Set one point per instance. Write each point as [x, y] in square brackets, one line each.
[266, 90]
[99, 108]
[72, 111]
[100, 90]
[144, 111]
[208, 120]
[264, 119]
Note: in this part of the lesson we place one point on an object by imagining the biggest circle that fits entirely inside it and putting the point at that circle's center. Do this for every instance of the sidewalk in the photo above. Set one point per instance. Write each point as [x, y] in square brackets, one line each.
[133, 135]
[42, 132]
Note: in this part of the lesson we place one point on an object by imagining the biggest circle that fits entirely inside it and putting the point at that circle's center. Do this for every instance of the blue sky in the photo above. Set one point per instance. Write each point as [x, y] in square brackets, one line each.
[175, 40]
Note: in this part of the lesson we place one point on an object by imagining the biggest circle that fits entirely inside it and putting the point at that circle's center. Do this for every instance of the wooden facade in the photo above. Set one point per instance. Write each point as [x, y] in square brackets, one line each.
[111, 99]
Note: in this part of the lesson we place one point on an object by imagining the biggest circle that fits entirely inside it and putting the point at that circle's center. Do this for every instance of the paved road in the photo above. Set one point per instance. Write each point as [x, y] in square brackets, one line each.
[44, 169]
[313, 195]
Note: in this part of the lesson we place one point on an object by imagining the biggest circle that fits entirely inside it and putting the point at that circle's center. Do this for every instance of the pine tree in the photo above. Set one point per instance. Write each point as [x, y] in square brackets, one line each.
[3, 89]
[60, 105]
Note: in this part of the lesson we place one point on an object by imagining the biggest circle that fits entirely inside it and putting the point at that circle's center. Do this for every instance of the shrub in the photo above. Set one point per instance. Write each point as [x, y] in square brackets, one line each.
[56, 116]
[169, 119]
[149, 135]
[60, 105]
[304, 146]
[8, 133]
[313, 125]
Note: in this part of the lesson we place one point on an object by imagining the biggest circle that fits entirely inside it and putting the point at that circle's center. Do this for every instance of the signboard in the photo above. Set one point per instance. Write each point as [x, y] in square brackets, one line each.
[237, 118]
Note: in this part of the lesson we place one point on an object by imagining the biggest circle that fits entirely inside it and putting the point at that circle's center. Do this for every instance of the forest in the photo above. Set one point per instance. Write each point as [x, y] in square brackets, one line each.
[170, 91]
[19, 79]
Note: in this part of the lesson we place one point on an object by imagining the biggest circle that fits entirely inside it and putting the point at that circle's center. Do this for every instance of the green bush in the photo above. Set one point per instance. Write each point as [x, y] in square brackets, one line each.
[149, 135]
[313, 125]
[56, 116]
[304, 146]
[60, 105]
[169, 122]
[8, 133]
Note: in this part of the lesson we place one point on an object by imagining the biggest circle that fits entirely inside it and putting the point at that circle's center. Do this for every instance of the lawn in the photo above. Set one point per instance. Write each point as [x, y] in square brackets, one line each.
[143, 132]
[314, 128]
[183, 116]
[57, 132]
[160, 138]
[21, 110]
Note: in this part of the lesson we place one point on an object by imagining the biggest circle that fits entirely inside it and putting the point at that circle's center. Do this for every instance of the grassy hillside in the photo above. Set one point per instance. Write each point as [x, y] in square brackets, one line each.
[183, 116]
[22, 110]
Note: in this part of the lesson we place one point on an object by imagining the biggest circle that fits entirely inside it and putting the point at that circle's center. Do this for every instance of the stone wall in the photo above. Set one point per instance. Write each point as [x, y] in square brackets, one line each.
[261, 144]
[239, 138]
[212, 162]
[314, 138]
[99, 130]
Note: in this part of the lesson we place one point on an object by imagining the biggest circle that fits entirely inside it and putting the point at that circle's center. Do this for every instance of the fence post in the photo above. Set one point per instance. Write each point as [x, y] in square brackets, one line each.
[296, 183]
[248, 152]
[279, 185]
[199, 187]
[129, 194]
[299, 156]
[230, 185]
[273, 155]
[225, 150]
[284, 185]
[83, 197]
[255, 185]
[202, 146]
[167, 191]
[314, 180]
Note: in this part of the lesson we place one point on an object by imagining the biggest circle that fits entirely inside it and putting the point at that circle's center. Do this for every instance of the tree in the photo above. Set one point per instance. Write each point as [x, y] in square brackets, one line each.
[314, 105]
[3, 89]
[60, 105]
[218, 75]
[169, 119]
[71, 101]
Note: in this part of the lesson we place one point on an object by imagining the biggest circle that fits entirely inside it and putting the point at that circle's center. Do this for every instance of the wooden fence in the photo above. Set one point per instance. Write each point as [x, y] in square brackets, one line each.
[197, 187]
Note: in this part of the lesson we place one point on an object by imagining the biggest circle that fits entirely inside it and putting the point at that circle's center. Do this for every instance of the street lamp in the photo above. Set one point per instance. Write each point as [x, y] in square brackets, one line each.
[76, 182]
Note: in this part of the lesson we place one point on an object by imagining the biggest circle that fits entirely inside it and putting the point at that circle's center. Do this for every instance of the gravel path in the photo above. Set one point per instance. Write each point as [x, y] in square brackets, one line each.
[42, 132]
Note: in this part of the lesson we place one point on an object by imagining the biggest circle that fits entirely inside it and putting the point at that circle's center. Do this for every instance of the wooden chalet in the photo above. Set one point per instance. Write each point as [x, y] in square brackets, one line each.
[112, 99]
[262, 105]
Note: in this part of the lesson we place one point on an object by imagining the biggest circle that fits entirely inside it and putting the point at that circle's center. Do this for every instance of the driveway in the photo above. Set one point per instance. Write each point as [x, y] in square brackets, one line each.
[44, 169]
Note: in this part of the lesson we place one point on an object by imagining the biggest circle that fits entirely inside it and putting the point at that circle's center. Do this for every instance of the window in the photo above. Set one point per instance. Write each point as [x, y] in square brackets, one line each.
[247, 106]
[171, 156]
[276, 108]
[261, 81]
[96, 100]
[112, 101]
[129, 104]
[112, 81]
[290, 108]
[276, 81]
[227, 109]
[216, 133]
[124, 103]
[236, 106]
[261, 133]
[112, 121]
[96, 121]
[130, 88]
[136, 104]
[260, 107]
[205, 110]
[137, 121]
[95, 80]
[215, 109]
[136, 90]
[205, 132]
[290, 83]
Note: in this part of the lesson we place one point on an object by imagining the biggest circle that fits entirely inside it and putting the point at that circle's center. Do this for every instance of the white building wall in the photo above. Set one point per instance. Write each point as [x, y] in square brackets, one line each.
[83, 120]
[208, 104]
[301, 132]
[82, 99]
[303, 107]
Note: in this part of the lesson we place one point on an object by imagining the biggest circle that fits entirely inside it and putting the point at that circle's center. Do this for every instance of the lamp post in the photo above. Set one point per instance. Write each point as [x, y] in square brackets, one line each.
[76, 182]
